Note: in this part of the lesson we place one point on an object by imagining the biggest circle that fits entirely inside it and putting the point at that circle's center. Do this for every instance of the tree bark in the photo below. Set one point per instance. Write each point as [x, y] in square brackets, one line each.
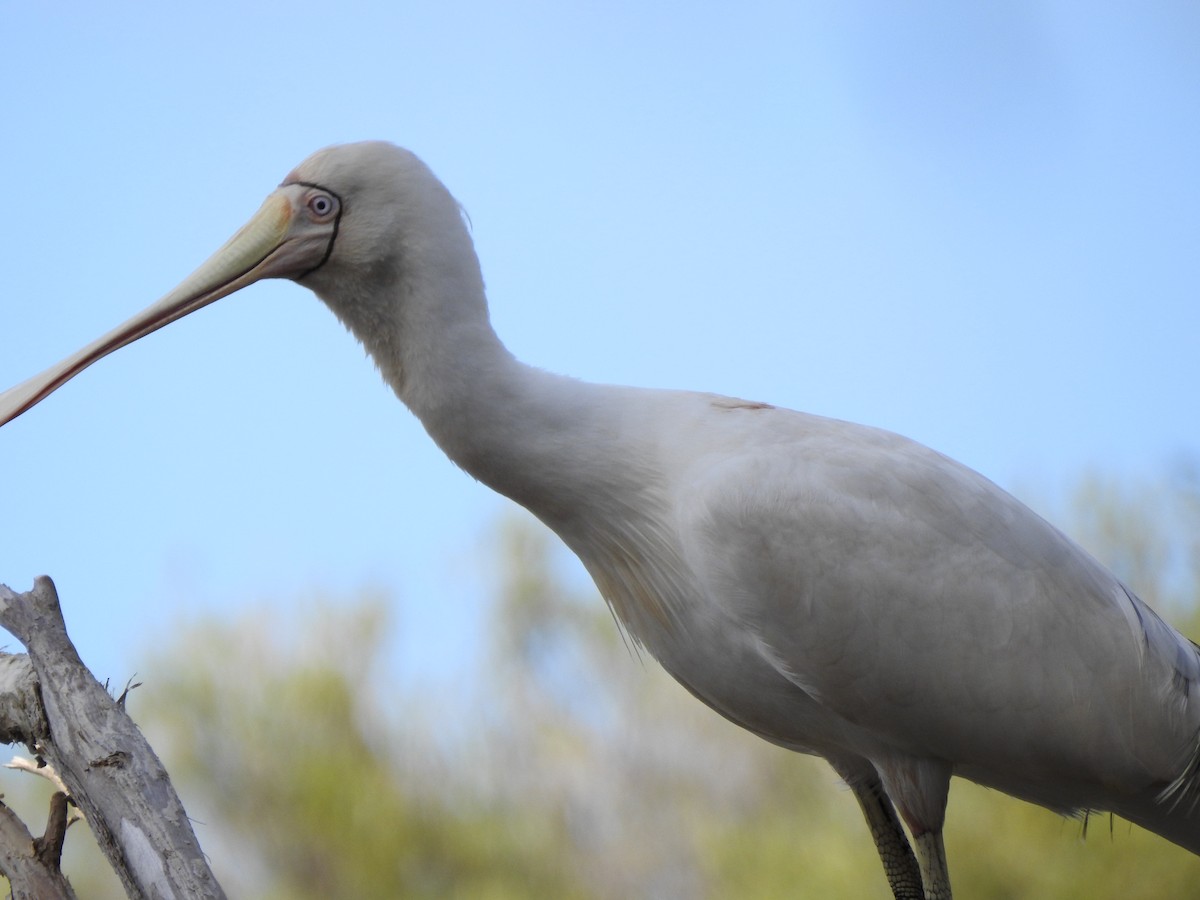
[31, 876]
[51, 702]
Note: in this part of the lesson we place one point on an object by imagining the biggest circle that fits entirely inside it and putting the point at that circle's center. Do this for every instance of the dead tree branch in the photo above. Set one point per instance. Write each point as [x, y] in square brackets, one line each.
[31, 874]
[50, 702]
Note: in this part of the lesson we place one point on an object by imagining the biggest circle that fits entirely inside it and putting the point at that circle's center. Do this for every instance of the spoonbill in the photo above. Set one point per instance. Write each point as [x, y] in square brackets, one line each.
[833, 588]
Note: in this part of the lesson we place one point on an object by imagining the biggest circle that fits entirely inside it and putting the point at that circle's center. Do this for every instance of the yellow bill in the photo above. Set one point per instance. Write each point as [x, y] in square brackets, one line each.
[289, 236]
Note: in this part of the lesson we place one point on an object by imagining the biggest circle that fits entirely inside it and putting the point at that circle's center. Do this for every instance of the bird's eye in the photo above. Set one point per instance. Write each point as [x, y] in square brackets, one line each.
[322, 205]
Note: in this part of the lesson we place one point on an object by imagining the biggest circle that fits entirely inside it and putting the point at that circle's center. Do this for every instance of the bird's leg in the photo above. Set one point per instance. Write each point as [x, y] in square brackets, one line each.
[919, 788]
[931, 854]
[899, 864]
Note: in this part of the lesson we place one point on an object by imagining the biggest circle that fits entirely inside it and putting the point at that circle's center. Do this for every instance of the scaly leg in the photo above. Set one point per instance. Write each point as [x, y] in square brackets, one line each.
[931, 854]
[899, 864]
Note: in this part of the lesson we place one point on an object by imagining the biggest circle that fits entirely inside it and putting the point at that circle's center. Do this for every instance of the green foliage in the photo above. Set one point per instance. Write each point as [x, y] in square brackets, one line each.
[283, 731]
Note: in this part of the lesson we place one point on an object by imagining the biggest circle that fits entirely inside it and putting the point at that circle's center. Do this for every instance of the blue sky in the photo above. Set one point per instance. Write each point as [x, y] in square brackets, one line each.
[975, 225]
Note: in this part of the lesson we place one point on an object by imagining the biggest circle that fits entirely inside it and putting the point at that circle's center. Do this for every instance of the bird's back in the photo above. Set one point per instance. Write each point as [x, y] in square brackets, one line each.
[862, 594]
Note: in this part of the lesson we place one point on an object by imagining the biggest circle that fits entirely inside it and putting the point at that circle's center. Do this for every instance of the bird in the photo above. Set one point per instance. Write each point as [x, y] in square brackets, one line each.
[836, 589]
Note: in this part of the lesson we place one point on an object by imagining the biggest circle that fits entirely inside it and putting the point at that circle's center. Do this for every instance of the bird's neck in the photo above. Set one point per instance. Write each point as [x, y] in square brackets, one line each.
[581, 457]
[530, 435]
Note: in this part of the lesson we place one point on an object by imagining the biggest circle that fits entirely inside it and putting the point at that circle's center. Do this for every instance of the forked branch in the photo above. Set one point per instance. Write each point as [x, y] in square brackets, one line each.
[50, 702]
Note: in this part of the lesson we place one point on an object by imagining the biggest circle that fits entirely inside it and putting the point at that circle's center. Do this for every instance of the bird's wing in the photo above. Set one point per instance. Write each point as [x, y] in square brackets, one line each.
[915, 599]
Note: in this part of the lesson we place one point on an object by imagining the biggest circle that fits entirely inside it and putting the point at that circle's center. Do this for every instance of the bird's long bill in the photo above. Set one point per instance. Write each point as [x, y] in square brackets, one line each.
[235, 265]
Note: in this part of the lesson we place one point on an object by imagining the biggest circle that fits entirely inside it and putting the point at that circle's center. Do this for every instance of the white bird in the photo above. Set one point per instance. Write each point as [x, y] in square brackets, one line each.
[833, 588]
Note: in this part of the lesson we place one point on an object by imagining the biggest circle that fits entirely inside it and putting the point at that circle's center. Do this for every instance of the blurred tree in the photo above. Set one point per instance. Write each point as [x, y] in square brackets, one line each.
[583, 770]
[278, 724]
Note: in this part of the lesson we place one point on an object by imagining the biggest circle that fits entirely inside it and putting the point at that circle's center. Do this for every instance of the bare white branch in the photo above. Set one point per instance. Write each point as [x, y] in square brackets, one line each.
[50, 702]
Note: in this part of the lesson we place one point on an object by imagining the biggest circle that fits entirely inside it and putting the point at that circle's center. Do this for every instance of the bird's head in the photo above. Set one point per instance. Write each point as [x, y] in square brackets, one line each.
[344, 214]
